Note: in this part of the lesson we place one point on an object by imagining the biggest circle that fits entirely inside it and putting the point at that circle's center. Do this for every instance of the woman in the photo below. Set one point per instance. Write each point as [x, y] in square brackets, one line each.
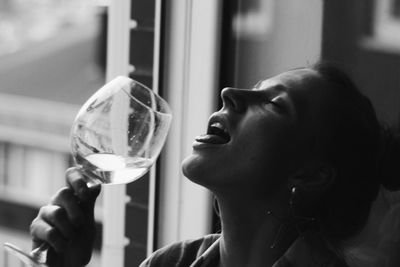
[293, 165]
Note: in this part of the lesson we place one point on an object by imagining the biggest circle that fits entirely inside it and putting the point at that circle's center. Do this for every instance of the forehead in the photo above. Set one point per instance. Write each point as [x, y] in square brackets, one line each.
[291, 80]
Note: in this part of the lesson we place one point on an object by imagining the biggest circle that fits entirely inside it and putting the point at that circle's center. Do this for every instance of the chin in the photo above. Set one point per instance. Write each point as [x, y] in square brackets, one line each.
[188, 166]
[194, 168]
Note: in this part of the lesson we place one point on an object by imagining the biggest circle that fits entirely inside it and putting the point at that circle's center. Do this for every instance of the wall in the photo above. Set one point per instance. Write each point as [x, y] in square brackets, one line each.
[289, 37]
[373, 64]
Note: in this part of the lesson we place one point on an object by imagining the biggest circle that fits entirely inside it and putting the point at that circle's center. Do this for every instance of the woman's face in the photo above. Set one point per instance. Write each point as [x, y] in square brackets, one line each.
[260, 136]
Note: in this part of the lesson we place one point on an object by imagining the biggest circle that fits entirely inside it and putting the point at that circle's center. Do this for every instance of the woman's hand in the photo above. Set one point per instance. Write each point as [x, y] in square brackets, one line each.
[67, 224]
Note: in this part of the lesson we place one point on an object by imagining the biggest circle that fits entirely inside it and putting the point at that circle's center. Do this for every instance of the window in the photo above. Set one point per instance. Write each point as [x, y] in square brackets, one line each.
[50, 64]
[387, 23]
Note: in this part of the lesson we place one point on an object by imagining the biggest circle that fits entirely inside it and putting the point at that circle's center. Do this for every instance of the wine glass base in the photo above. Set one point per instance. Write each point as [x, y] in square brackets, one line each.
[26, 258]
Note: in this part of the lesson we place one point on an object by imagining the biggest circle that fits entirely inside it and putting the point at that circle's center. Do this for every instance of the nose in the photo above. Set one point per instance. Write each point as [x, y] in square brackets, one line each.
[236, 99]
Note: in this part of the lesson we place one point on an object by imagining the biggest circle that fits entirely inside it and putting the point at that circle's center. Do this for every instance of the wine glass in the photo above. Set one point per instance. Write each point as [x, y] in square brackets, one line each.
[116, 137]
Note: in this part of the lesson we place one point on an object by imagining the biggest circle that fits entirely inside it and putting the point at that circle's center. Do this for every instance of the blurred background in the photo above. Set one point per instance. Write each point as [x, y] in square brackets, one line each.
[51, 61]
[55, 53]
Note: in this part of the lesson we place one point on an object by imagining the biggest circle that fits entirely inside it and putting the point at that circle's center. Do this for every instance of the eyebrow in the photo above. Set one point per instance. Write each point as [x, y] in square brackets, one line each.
[277, 88]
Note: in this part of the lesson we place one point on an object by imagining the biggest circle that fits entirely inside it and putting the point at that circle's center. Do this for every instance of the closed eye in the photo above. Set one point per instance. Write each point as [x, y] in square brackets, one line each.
[277, 101]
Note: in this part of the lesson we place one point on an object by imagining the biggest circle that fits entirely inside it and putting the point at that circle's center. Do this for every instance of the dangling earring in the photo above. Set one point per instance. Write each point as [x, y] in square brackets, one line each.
[294, 220]
[298, 219]
[292, 195]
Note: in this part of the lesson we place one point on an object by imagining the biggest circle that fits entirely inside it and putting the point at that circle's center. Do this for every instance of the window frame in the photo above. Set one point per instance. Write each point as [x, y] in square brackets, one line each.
[191, 76]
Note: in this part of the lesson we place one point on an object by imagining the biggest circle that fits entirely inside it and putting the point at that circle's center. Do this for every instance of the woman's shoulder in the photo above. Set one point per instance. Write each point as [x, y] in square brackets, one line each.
[180, 253]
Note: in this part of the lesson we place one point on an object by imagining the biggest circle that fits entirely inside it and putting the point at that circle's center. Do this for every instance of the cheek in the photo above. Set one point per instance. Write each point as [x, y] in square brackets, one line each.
[271, 151]
[262, 143]
[255, 161]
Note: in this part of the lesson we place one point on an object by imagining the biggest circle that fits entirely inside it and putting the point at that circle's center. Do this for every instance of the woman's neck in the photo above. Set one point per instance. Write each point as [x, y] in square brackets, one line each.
[249, 230]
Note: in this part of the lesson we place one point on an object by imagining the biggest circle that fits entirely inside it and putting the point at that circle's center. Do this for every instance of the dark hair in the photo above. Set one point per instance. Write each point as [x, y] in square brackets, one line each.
[363, 153]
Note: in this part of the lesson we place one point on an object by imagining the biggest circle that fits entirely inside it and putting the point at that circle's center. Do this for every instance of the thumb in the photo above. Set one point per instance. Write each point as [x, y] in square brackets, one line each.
[92, 194]
[94, 191]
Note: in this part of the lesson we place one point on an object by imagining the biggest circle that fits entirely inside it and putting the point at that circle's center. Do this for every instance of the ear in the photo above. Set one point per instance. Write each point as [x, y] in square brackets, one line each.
[315, 177]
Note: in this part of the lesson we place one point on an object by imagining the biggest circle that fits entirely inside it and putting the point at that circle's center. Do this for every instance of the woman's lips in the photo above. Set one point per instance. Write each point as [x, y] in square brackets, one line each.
[211, 139]
[217, 132]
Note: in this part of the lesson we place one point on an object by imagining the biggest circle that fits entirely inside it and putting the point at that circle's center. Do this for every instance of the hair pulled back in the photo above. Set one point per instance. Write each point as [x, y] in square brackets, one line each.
[364, 154]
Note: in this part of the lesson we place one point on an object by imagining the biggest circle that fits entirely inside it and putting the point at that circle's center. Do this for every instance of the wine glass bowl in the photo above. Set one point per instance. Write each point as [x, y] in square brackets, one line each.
[119, 132]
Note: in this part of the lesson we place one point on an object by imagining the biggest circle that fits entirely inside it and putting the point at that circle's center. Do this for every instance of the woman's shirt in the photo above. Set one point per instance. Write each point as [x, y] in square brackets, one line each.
[204, 252]
[194, 253]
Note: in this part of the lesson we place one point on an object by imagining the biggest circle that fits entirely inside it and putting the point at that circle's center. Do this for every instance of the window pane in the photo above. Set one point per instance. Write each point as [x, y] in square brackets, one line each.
[51, 61]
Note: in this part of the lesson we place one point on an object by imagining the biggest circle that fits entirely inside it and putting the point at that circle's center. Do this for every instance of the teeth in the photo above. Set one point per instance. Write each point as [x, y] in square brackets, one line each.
[217, 128]
[218, 125]
[217, 133]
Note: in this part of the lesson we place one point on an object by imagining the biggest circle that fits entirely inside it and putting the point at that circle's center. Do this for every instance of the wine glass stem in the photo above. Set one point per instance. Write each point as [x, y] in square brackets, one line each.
[40, 253]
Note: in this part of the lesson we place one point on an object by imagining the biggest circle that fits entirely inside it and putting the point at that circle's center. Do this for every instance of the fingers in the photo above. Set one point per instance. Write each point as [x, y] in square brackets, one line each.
[69, 206]
[77, 180]
[69, 214]
[43, 231]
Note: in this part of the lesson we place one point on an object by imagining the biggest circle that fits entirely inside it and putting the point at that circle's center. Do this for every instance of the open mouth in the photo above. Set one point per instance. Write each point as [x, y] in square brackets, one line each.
[217, 133]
